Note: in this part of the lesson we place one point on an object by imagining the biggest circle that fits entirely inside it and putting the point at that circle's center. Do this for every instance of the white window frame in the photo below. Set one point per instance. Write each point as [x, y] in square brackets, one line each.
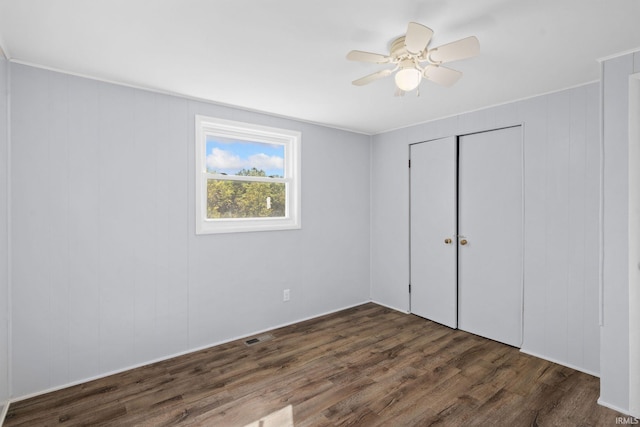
[206, 126]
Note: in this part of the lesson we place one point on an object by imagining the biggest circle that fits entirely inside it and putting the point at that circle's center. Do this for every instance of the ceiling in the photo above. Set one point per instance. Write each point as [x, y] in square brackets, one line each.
[287, 57]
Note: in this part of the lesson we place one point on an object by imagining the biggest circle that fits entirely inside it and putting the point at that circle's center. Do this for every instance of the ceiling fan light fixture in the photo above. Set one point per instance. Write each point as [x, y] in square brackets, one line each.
[407, 79]
[415, 60]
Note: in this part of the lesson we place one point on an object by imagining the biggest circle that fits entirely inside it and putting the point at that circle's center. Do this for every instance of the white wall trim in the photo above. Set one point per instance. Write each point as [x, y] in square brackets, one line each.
[391, 307]
[370, 217]
[488, 107]
[601, 212]
[3, 49]
[619, 54]
[634, 247]
[614, 337]
[614, 407]
[3, 413]
[182, 353]
[568, 365]
[267, 113]
[9, 245]
[179, 95]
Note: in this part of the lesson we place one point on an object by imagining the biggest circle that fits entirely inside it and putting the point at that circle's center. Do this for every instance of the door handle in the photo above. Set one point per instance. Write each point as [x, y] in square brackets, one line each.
[447, 241]
[463, 242]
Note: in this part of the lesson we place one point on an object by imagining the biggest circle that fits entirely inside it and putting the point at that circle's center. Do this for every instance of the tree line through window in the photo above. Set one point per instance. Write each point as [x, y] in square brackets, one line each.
[239, 199]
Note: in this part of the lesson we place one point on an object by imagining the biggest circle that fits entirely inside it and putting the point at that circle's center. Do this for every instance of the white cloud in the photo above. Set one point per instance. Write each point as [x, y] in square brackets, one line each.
[265, 162]
[220, 160]
[224, 161]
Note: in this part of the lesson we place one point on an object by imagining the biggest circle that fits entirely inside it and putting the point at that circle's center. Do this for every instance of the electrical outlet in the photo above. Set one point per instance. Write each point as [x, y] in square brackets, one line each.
[286, 295]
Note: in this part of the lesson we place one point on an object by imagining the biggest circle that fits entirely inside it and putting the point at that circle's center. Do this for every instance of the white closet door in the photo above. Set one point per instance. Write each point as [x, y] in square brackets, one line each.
[433, 221]
[490, 279]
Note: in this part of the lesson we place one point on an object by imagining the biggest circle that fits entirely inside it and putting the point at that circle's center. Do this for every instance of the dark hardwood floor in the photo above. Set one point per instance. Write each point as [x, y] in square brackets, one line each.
[367, 366]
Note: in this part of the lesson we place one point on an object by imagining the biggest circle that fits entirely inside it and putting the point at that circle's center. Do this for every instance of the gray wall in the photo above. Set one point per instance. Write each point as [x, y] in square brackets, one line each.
[107, 270]
[4, 248]
[561, 217]
[614, 352]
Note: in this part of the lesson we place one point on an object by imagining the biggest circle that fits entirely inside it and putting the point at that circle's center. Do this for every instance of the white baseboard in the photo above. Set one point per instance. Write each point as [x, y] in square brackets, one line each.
[3, 413]
[568, 365]
[390, 307]
[182, 353]
[614, 407]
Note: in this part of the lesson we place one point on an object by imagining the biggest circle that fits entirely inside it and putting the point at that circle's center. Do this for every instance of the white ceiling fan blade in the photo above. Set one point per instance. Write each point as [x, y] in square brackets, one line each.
[371, 77]
[442, 75]
[417, 37]
[454, 51]
[358, 55]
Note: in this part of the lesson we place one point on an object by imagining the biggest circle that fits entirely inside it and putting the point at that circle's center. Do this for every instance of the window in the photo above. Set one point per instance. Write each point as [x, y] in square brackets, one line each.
[248, 177]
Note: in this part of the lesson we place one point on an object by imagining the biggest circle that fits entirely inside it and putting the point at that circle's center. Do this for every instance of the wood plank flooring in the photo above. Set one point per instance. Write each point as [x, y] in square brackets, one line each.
[367, 366]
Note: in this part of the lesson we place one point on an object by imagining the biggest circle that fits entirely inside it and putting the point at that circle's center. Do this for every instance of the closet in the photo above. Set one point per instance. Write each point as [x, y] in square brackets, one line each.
[466, 234]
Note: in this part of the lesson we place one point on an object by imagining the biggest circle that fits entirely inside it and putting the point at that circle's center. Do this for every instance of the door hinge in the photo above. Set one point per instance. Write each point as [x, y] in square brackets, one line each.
[409, 287]
[409, 162]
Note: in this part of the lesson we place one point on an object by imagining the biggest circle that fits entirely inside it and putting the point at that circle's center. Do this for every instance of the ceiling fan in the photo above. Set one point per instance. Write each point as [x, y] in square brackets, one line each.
[414, 60]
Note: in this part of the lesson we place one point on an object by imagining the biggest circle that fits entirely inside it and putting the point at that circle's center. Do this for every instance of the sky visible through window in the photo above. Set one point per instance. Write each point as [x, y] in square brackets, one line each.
[230, 156]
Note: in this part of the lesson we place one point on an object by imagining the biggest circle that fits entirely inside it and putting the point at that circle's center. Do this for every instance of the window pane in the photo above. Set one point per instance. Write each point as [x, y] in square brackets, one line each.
[238, 199]
[236, 157]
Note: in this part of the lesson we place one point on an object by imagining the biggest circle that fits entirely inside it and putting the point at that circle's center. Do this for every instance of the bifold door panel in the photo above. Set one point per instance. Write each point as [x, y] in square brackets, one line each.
[466, 233]
[433, 231]
[490, 218]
